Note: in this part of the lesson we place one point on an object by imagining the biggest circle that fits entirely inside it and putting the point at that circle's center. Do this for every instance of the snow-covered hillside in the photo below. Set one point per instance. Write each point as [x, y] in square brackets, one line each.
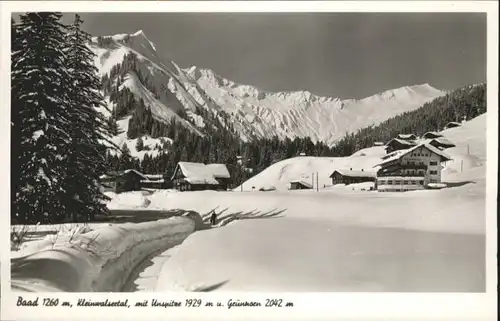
[469, 153]
[252, 112]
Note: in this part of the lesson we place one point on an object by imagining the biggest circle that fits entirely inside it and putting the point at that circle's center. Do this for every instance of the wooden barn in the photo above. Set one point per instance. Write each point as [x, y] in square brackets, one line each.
[411, 169]
[342, 176]
[122, 181]
[198, 176]
[300, 184]
[398, 144]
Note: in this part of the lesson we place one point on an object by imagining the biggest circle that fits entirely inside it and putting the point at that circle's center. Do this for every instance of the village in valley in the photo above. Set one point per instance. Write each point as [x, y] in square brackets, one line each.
[411, 163]
[133, 174]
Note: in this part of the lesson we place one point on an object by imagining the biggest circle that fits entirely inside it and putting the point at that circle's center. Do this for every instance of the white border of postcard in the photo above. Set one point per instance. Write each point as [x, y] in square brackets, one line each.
[307, 306]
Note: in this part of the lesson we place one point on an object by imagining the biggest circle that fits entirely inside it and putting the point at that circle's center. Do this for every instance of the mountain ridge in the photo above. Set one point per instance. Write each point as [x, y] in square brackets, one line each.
[170, 90]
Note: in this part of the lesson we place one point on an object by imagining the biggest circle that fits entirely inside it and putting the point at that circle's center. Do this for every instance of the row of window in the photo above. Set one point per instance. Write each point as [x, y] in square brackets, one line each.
[433, 163]
[399, 182]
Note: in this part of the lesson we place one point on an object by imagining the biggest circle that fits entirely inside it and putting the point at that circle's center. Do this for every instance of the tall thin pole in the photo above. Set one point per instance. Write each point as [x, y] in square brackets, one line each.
[317, 182]
[312, 176]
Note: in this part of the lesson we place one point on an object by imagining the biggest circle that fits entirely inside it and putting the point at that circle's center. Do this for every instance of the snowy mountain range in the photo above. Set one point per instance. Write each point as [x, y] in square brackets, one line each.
[252, 112]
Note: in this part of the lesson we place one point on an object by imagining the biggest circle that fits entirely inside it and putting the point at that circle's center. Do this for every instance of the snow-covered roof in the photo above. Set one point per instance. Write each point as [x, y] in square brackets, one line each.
[351, 173]
[401, 153]
[452, 124]
[153, 182]
[401, 141]
[300, 181]
[154, 176]
[431, 135]
[199, 173]
[406, 136]
[443, 141]
[219, 170]
[134, 171]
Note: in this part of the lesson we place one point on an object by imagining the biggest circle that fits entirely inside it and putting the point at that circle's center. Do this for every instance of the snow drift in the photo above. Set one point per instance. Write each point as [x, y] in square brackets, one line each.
[97, 261]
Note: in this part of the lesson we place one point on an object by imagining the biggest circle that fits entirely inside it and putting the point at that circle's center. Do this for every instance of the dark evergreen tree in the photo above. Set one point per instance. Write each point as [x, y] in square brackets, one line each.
[86, 158]
[139, 146]
[40, 84]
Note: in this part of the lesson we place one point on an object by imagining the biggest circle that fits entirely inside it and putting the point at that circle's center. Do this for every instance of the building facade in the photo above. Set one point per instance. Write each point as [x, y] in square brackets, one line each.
[198, 176]
[341, 176]
[411, 169]
[123, 181]
[300, 184]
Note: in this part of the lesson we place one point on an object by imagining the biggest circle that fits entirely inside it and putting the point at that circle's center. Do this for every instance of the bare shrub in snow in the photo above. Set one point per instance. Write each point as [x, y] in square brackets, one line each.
[17, 236]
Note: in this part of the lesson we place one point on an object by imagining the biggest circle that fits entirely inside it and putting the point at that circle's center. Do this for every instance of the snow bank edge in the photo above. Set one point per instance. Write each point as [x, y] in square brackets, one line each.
[97, 261]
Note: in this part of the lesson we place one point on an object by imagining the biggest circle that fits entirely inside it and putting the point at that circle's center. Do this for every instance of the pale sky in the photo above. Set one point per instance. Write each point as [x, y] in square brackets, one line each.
[346, 55]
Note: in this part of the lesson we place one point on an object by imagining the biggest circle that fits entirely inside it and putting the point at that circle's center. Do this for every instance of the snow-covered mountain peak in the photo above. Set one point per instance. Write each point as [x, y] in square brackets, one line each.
[170, 90]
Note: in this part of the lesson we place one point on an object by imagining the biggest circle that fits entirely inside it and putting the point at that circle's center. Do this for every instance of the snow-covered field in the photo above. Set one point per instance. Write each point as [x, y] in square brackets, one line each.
[334, 239]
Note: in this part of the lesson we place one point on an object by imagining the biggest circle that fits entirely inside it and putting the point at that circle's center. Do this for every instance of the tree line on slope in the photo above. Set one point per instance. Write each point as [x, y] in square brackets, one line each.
[224, 146]
[58, 137]
[464, 103]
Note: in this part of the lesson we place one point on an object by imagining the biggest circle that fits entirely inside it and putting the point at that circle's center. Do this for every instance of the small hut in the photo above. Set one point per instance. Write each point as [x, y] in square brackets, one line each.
[300, 184]
[123, 181]
[342, 176]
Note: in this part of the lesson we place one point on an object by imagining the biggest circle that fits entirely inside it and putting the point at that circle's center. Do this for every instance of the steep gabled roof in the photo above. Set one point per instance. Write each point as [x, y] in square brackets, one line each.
[351, 173]
[135, 172]
[199, 173]
[399, 154]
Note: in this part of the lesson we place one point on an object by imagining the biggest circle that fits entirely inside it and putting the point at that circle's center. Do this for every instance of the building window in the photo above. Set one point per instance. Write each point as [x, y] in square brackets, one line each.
[433, 172]
[381, 182]
[389, 182]
[433, 181]
[397, 182]
[421, 182]
[405, 182]
[433, 163]
[413, 182]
